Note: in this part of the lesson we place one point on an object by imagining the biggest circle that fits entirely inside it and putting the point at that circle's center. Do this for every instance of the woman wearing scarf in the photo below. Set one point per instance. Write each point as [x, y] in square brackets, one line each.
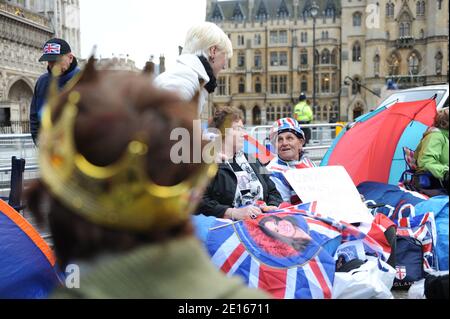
[242, 188]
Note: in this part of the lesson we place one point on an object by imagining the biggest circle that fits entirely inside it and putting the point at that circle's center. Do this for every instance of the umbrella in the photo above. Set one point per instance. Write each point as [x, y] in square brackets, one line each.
[372, 149]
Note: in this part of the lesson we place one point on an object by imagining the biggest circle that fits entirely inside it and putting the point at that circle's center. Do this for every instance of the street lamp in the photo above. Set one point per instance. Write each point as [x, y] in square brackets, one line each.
[314, 11]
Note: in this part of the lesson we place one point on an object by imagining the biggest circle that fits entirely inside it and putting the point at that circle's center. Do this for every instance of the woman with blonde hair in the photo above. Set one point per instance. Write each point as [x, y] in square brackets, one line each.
[206, 52]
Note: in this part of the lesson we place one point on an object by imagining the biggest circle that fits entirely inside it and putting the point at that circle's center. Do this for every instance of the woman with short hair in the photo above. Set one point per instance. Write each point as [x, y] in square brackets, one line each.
[242, 188]
[206, 52]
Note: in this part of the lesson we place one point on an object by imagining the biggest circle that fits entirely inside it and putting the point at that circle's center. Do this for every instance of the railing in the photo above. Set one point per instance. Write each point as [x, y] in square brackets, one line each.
[322, 136]
[15, 127]
[21, 146]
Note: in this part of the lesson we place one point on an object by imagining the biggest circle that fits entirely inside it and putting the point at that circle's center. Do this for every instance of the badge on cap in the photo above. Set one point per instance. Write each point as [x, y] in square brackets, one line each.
[52, 48]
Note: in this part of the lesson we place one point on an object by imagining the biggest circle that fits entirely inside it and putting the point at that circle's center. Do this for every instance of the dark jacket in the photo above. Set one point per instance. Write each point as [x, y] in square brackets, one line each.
[219, 195]
[40, 96]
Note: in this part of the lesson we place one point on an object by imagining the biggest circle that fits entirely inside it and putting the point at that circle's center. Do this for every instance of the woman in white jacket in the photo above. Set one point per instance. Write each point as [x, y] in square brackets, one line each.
[206, 52]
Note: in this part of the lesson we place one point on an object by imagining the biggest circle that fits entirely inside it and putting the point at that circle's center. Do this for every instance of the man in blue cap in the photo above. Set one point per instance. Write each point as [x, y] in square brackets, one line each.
[54, 51]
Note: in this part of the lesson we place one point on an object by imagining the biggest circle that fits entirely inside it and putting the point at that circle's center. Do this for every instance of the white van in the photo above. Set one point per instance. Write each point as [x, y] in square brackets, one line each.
[420, 93]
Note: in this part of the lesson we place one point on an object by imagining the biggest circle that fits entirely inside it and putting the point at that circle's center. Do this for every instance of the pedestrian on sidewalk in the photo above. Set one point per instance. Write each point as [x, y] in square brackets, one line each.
[54, 51]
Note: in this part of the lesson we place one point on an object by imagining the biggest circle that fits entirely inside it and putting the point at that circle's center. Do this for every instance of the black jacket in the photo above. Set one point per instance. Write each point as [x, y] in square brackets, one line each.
[40, 95]
[219, 195]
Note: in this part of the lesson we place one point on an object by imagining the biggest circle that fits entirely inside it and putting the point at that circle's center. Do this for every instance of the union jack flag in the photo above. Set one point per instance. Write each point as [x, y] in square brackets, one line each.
[243, 249]
[422, 228]
[52, 48]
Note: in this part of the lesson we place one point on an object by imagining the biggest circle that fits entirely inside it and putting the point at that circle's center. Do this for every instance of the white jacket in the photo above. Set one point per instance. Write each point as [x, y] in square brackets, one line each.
[185, 78]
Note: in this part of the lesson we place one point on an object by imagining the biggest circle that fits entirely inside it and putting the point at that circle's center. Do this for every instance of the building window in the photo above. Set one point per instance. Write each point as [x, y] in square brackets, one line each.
[356, 56]
[241, 40]
[283, 59]
[257, 39]
[420, 8]
[390, 7]
[283, 11]
[273, 84]
[273, 58]
[258, 88]
[394, 65]
[283, 84]
[282, 37]
[413, 64]
[304, 58]
[257, 58]
[334, 57]
[438, 59]
[256, 115]
[237, 13]
[357, 19]
[325, 57]
[304, 84]
[376, 65]
[271, 113]
[304, 37]
[221, 86]
[241, 60]
[273, 37]
[405, 29]
[261, 14]
[325, 85]
[241, 85]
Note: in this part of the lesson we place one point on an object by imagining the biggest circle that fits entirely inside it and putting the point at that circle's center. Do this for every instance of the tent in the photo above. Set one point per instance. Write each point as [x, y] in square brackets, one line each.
[27, 264]
[372, 149]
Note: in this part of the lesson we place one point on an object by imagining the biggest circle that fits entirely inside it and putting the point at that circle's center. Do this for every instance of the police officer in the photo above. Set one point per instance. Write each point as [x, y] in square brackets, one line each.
[304, 115]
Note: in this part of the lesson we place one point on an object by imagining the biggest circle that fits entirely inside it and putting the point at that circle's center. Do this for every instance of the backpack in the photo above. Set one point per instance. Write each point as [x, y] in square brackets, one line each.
[415, 247]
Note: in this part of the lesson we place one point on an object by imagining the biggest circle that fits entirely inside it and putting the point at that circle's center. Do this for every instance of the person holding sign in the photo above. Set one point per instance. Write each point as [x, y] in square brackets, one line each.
[287, 139]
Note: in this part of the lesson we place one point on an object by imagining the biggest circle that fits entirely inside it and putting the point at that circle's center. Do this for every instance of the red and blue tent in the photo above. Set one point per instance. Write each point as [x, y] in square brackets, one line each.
[372, 149]
[27, 264]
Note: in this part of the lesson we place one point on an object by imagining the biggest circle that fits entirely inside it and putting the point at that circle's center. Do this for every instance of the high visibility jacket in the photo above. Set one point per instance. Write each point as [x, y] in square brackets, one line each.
[303, 112]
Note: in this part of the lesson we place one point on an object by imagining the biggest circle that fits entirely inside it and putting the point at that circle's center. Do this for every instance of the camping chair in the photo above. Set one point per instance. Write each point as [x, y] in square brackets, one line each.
[15, 195]
[411, 167]
[419, 182]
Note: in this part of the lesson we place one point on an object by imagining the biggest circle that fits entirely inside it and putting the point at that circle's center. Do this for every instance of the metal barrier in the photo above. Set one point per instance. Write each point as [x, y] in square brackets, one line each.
[21, 146]
[322, 136]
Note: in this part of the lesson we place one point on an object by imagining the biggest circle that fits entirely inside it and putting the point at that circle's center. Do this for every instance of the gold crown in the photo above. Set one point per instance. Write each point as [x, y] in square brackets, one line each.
[120, 195]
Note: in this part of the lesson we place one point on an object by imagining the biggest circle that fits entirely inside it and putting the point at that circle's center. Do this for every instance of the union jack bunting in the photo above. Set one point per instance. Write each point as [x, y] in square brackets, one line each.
[52, 48]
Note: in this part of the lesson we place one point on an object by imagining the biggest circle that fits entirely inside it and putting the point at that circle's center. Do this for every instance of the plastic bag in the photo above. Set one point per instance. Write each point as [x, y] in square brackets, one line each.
[373, 280]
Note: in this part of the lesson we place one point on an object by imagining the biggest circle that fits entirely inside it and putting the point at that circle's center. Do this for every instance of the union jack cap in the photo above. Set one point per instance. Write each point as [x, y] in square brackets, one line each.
[53, 49]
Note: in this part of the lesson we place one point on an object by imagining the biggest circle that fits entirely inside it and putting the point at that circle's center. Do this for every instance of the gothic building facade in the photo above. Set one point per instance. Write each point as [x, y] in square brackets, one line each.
[366, 40]
[25, 25]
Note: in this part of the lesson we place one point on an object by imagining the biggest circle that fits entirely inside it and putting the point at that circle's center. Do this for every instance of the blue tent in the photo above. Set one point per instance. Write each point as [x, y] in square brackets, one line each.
[27, 264]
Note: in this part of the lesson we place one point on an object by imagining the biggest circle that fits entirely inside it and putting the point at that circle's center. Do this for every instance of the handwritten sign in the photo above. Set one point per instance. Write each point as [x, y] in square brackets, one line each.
[334, 191]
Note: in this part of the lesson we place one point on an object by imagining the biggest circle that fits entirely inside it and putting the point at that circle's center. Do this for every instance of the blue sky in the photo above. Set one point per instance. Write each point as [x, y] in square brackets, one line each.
[139, 28]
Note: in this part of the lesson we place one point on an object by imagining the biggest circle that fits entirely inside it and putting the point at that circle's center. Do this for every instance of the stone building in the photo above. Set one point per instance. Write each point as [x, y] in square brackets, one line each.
[369, 41]
[25, 25]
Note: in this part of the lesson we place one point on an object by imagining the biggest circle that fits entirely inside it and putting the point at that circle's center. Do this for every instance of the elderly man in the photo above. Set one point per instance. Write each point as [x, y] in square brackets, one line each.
[54, 51]
[287, 139]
